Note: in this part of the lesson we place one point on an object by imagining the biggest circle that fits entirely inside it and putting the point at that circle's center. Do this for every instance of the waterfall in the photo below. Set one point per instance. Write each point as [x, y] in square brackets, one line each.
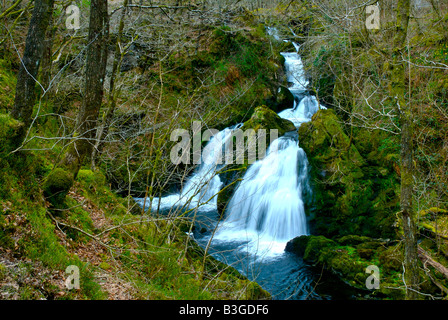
[201, 189]
[267, 209]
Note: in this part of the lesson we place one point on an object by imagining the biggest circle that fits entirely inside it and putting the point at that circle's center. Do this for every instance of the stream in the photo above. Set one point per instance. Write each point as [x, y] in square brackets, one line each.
[266, 210]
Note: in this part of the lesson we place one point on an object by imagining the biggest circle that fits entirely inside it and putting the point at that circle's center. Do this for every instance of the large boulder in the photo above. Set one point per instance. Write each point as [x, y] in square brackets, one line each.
[284, 99]
[57, 185]
[350, 258]
[265, 118]
[351, 195]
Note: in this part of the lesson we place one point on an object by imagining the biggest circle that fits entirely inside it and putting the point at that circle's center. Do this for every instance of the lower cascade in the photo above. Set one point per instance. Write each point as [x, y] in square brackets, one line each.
[267, 208]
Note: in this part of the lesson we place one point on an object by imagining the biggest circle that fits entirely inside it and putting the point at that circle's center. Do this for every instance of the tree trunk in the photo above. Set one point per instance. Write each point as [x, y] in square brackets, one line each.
[397, 91]
[407, 212]
[46, 64]
[34, 48]
[83, 140]
[107, 119]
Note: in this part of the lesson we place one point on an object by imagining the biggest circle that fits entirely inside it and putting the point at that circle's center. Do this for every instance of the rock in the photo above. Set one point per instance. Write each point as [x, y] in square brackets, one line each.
[309, 247]
[284, 99]
[57, 185]
[265, 118]
[351, 197]
[348, 263]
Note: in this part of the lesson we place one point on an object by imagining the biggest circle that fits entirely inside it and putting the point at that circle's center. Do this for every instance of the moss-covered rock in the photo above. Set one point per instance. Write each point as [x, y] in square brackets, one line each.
[57, 185]
[284, 99]
[265, 118]
[348, 261]
[351, 194]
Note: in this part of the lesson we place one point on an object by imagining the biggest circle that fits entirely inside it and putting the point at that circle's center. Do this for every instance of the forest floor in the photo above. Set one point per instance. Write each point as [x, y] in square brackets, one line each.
[17, 272]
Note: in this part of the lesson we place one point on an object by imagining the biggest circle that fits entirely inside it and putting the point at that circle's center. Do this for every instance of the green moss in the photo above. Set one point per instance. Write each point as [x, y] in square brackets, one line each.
[105, 266]
[3, 272]
[57, 185]
[8, 85]
[94, 186]
[351, 194]
[9, 130]
[348, 262]
[353, 240]
[265, 118]
[392, 258]
[88, 176]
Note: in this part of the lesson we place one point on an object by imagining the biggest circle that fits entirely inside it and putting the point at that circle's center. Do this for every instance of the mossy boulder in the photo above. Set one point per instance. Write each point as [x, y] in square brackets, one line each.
[348, 260]
[57, 185]
[284, 99]
[351, 194]
[325, 141]
[309, 247]
[265, 118]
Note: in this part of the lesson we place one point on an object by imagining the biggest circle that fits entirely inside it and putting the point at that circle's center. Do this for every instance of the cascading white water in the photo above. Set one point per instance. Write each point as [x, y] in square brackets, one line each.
[201, 188]
[295, 73]
[267, 208]
[303, 112]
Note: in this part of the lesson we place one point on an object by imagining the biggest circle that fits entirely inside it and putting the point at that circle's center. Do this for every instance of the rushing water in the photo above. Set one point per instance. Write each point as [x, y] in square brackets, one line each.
[267, 209]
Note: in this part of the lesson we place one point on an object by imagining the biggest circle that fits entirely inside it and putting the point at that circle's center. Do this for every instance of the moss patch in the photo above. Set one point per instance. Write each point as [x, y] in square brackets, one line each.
[57, 185]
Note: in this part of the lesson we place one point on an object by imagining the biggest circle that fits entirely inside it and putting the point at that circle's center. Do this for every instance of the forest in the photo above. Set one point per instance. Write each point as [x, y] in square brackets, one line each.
[223, 150]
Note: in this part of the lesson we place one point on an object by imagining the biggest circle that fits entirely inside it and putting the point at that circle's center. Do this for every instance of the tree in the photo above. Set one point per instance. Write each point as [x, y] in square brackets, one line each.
[82, 143]
[118, 58]
[397, 86]
[34, 49]
[86, 122]
[365, 82]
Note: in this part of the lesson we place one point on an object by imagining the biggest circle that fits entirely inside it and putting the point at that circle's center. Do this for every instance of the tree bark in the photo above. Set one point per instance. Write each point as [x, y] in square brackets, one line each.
[107, 119]
[34, 48]
[46, 64]
[397, 91]
[86, 123]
